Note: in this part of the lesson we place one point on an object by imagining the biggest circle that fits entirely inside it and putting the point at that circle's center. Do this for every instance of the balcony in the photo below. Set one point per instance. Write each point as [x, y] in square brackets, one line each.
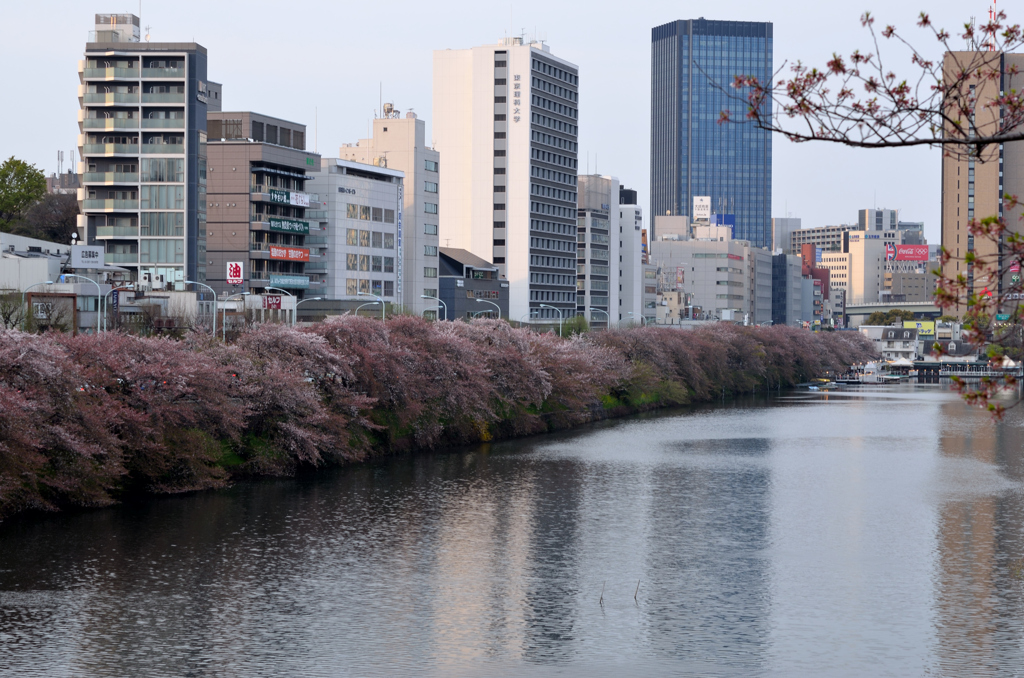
[110, 205]
[117, 231]
[163, 98]
[110, 178]
[110, 123]
[163, 72]
[122, 257]
[112, 97]
[110, 149]
[163, 123]
[171, 149]
[107, 73]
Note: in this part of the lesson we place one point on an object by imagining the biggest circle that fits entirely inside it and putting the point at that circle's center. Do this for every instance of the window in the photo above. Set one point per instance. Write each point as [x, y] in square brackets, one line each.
[364, 262]
[351, 287]
[499, 189]
[162, 251]
[378, 214]
[364, 238]
[364, 286]
[389, 216]
[430, 187]
[429, 292]
[364, 212]
[376, 287]
[430, 250]
[499, 206]
[389, 264]
[162, 197]
[430, 165]
[352, 236]
[430, 229]
[376, 264]
[352, 212]
[389, 288]
[389, 241]
[377, 238]
[429, 272]
[352, 262]
[430, 208]
[162, 223]
[499, 100]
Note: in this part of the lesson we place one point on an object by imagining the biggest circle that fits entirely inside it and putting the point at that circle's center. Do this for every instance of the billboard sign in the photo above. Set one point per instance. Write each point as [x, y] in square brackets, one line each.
[289, 253]
[890, 252]
[288, 282]
[288, 226]
[234, 274]
[288, 197]
[909, 252]
[702, 207]
[925, 328]
[88, 256]
[817, 255]
[272, 301]
[680, 277]
[1015, 267]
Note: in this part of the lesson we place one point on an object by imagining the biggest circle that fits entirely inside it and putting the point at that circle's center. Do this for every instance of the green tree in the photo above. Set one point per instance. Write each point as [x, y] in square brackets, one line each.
[889, 317]
[21, 186]
[54, 217]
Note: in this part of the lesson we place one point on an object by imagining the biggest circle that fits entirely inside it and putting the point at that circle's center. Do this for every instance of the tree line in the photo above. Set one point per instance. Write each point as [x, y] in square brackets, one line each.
[26, 208]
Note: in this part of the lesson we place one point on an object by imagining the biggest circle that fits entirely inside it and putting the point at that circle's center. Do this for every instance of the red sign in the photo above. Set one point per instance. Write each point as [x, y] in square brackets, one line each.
[911, 252]
[1015, 267]
[289, 253]
[736, 257]
[235, 273]
[272, 301]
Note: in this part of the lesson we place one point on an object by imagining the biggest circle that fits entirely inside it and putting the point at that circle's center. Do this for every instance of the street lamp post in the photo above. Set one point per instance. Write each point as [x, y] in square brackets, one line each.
[559, 317]
[369, 303]
[115, 289]
[444, 305]
[279, 289]
[213, 332]
[296, 312]
[99, 297]
[367, 294]
[484, 301]
[530, 314]
[224, 320]
[48, 282]
[607, 318]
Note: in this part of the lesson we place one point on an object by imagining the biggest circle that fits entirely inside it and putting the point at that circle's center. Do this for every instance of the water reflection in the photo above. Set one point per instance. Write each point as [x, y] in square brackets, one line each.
[872, 533]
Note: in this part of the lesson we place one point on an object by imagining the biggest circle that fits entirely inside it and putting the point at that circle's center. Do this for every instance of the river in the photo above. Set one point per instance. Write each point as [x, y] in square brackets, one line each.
[868, 532]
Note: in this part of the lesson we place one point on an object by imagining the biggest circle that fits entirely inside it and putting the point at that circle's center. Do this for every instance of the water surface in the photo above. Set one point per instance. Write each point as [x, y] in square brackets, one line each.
[874, 532]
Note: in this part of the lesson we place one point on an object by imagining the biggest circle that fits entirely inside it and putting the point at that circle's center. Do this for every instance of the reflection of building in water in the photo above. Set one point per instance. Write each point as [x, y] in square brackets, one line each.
[978, 604]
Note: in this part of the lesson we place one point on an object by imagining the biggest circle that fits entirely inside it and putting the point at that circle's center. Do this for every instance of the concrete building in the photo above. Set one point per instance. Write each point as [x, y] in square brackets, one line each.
[973, 187]
[828, 238]
[470, 287]
[649, 312]
[867, 264]
[715, 273]
[65, 183]
[877, 219]
[691, 154]
[143, 147]
[631, 255]
[759, 284]
[673, 227]
[400, 143]
[782, 231]
[361, 212]
[505, 122]
[893, 343]
[256, 206]
[787, 297]
[598, 252]
[916, 286]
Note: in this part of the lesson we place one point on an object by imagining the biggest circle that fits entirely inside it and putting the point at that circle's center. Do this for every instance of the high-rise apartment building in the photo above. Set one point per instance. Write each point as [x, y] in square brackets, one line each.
[400, 144]
[505, 122]
[693, 63]
[631, 256]
[782, 230]
[258, 234]
[973, 186]
[877, 219]
[143, 149]
[598, 250]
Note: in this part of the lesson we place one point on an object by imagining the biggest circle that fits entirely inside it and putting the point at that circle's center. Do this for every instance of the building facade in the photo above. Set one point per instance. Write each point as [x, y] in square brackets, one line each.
[400, 144]
[875, 219]
[598, 250]
[505, 122]
[361, 212]
[782, 230]
[786, 290]
[827, 238]
[631, 227]
[470, 287]
[691, 153]
[258, 234]
[143, 147]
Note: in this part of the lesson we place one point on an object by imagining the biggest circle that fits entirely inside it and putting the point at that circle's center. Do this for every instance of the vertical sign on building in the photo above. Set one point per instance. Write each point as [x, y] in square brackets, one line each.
[234, 274]
[401, 252]
[702, 207]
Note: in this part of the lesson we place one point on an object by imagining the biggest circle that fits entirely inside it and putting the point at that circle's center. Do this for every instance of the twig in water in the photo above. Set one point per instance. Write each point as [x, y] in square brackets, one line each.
[601, 602]
[636, 592]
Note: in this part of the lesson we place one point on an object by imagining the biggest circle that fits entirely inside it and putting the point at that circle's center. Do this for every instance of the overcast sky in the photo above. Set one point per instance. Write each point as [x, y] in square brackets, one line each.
[292, 59]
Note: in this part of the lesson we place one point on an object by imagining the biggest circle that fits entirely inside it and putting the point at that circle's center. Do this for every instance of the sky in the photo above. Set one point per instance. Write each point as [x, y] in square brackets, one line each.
[324, 63]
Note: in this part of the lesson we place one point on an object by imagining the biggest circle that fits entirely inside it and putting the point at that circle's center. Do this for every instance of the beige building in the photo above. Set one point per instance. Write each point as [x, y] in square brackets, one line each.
[972, 188]
[400, 144]
[828, 238]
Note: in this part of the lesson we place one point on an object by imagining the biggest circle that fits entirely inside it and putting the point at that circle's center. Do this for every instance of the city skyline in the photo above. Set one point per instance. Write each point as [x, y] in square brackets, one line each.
[820, 183]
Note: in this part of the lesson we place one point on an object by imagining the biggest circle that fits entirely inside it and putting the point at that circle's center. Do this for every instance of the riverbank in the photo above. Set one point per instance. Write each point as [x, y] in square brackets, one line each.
[85, 420]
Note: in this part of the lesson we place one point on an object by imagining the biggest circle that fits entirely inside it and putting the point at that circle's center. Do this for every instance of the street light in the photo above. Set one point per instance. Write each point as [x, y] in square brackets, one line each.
[224, 320]
[526, 314]
[369, 303]
[99, 297]
[115, 289]
[213, 332]
[367, 294]
[559, 317]
[643, 321]
[607, 318]
[484, 301]
[268, 287]
[48, 282]
[296, 311]
[427, 296]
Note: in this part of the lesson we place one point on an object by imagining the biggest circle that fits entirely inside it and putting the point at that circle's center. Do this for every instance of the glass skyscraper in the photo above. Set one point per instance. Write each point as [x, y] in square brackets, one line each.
[691, 154]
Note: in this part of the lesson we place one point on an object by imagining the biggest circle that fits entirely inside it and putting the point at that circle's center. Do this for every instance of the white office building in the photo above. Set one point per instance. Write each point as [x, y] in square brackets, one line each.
[631, 254]
[400, 144]
[361, 210]
[505, 124]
